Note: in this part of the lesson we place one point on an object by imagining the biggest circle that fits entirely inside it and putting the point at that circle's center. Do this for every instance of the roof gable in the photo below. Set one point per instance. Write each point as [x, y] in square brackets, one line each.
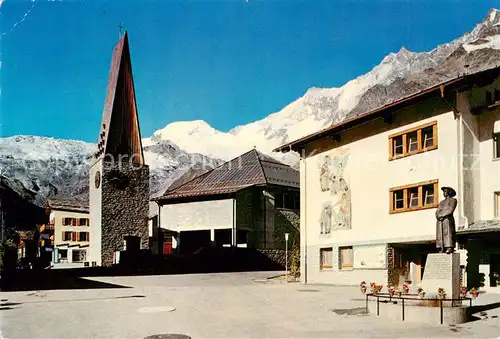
[68, 204]
[120, 133]
[249, 169]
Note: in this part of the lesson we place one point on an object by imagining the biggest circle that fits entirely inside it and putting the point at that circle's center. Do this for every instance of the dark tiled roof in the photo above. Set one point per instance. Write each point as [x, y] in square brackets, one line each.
[481, 226]
[68, 204]
[249, 169]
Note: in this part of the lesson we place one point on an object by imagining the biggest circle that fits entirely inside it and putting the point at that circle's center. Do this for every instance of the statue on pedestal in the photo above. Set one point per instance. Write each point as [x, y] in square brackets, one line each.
[445, 225]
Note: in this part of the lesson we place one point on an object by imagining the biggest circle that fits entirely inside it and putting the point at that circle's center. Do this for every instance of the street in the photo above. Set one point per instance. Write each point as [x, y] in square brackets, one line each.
[230, 305]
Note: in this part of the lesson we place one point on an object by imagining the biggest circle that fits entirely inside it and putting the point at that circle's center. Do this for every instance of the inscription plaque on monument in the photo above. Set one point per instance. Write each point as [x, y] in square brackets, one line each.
[442, 271]
[438, 267]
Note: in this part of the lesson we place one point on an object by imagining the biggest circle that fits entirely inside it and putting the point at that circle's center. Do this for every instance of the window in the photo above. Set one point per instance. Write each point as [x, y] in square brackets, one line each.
[497, 204]
[414, 197]
[326, 257]
[345, 257]
[413, 141]
[496, 145]
[288, 200]
[67, 221]
[83, 236]
[63, 254]
[83, 222]
[66, 236]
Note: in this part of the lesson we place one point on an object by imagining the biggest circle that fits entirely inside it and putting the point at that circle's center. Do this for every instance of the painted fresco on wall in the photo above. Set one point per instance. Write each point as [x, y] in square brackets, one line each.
[325, 174]
[339, 201]
[370, 256]
[326, 218]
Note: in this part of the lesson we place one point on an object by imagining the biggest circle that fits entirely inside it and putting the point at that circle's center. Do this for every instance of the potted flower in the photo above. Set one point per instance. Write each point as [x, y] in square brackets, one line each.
[362, 287]
[441, 293]
[391, 290]
[421, 293]
[375, 288]
[474, 292]
[398, 292]
[463, 291]
[406, 287]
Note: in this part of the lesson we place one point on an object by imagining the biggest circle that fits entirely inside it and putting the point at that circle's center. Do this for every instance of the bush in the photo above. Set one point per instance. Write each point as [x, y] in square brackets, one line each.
[295, 262]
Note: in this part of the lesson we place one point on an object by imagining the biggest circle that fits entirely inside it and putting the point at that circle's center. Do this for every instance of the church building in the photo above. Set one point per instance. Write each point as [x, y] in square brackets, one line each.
[371, 183]
[119, 178]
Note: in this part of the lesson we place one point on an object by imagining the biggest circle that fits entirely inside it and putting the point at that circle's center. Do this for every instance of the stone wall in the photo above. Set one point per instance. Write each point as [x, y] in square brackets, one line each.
[278, 256]
[390, 265]
[269, 219]
[125, 207]
[245, 211]
[255, 212]
[286, 221]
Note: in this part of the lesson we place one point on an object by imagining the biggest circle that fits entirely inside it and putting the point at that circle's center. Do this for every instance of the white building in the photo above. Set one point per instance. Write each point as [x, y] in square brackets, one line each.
[70, 221]
[370, 185]
[249, 201]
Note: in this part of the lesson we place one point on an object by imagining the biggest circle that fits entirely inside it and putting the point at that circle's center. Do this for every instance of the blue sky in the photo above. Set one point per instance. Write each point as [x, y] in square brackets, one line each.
[226, 62]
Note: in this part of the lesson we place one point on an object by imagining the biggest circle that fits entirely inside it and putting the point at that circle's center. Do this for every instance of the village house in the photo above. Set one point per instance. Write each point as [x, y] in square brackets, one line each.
[70, 230]
[370, 186]
[250, 201]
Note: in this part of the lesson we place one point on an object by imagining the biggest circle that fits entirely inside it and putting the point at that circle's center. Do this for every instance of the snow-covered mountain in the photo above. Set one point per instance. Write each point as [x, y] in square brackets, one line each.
[46, 165]
[320, 107]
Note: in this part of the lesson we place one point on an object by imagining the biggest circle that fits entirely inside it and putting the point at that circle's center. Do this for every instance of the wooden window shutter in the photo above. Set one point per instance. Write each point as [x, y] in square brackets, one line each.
[73, 236]
[63, 221]
[88, 236]
[62, 236]
[73, 221]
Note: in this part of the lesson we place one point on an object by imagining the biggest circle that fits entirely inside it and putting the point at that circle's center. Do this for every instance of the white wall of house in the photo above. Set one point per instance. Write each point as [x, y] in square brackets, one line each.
[481, 169]
[370, 175]
[95, 196]
[490, 167]
[463, 160]
[197, 216]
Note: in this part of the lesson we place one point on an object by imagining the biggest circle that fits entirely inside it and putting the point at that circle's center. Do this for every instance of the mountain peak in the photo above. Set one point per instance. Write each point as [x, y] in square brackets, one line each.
[403, 50]
[185, 127]
[493, 14]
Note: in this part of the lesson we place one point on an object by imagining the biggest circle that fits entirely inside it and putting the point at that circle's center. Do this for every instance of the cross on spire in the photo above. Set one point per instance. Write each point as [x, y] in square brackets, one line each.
[120, 27]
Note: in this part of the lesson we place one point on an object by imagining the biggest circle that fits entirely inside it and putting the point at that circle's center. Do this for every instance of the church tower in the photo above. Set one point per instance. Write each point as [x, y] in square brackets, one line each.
[119, 178]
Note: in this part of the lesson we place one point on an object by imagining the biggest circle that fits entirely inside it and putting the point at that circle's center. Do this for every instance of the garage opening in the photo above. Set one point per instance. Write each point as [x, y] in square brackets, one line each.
[191, 241]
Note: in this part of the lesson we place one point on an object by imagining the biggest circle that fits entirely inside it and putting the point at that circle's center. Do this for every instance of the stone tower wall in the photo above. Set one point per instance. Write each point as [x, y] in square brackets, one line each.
[125, 206]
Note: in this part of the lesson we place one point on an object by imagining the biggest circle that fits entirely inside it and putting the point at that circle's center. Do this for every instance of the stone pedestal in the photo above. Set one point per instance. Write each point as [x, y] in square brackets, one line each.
[442, 270]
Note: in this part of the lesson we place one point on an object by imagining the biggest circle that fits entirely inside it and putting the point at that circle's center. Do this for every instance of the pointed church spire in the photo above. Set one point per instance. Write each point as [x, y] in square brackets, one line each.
[120, 135]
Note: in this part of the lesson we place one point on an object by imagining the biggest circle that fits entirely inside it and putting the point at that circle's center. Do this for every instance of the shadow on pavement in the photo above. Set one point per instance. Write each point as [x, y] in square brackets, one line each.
[483, 308]
[209, 260]
[31, 280]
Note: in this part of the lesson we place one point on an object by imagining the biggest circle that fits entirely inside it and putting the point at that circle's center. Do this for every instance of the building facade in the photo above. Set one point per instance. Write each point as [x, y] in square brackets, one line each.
[370, 185]
[119, 177]
[250, 201]
[70, 229]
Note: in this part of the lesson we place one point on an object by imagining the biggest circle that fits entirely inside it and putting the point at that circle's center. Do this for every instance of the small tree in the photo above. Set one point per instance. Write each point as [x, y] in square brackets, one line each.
[295, 262]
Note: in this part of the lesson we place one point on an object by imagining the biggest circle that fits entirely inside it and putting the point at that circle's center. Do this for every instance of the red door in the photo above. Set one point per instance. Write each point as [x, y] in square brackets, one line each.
[167, 245]
[167, 248]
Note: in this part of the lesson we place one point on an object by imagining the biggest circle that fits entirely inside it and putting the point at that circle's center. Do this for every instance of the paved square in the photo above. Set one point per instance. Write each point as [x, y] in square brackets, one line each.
[231, 305]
